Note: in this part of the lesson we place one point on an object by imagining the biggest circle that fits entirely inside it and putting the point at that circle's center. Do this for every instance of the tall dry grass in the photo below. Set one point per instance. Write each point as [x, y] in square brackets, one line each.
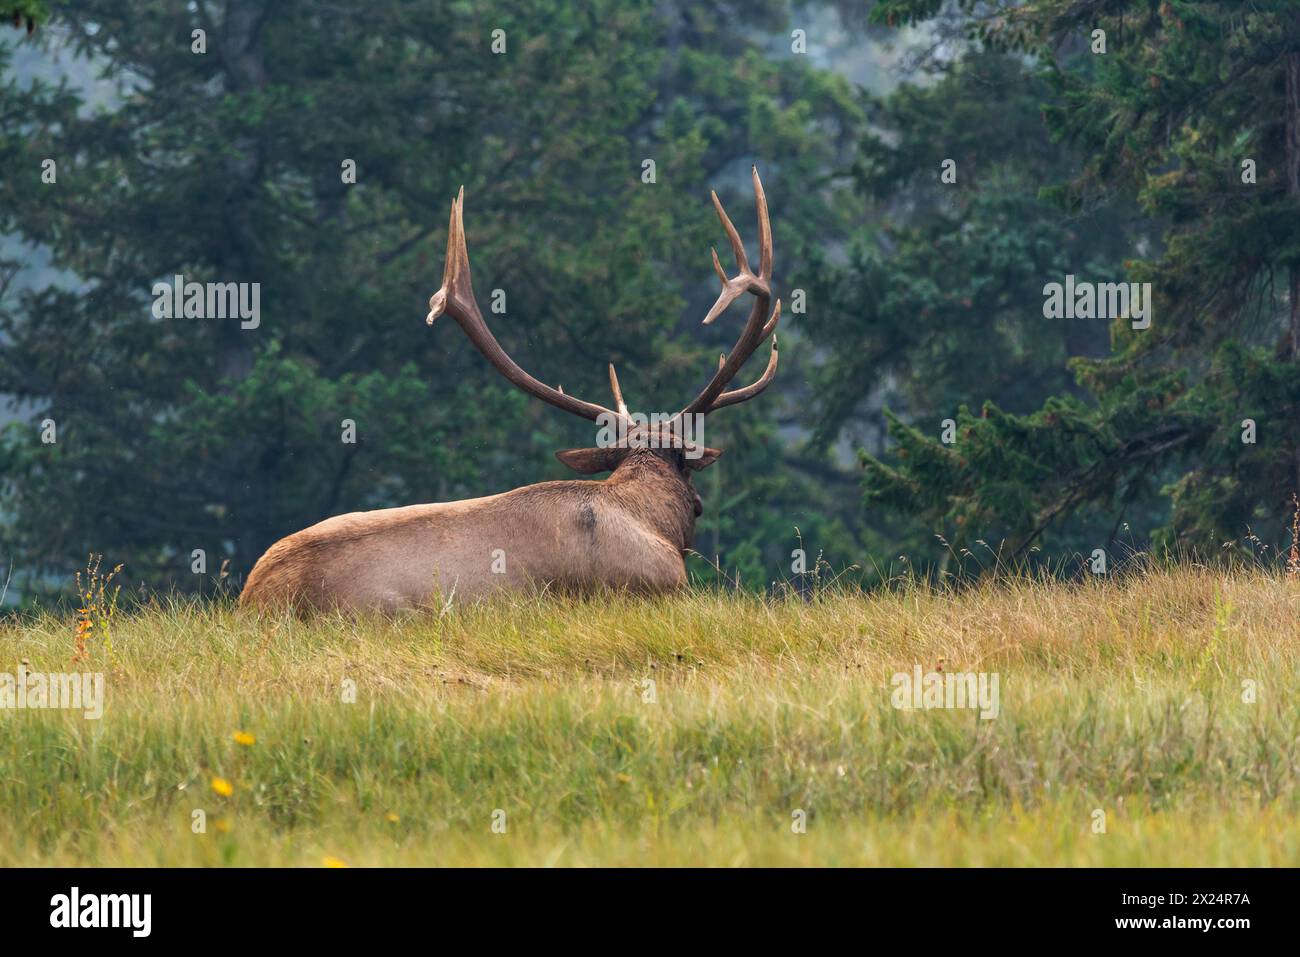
[695, 729]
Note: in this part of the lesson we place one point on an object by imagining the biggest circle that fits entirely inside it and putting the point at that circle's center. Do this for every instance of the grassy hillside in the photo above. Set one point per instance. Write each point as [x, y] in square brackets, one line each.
[1123, 696]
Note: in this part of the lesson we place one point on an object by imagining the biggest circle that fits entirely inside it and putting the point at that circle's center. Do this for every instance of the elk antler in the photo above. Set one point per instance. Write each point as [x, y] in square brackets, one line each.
[756, 330]
[456, 298]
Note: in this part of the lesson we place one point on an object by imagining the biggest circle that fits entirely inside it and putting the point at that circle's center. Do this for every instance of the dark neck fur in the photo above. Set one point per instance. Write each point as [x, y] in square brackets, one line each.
[656, 492]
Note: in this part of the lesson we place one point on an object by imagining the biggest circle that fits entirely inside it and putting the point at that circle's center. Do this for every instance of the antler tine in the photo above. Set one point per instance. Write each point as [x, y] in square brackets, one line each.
[764, 228]
[438, 301]
[745, 280]
[717, 267]
[737, 247]
[755, 330]
[749, 391]
[732, 289]
[769, 327]
[618, 393]
[456, 298]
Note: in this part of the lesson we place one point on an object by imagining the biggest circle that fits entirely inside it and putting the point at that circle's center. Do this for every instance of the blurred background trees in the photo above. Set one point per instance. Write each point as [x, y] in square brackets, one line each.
[922, 299]
[1189, 115]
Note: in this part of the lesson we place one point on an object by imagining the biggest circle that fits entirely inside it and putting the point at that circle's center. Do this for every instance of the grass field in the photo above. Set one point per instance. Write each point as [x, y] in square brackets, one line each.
[1121, 698]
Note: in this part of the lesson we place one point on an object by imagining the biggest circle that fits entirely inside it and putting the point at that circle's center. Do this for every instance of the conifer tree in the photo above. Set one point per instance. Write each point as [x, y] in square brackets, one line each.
[1193, 111]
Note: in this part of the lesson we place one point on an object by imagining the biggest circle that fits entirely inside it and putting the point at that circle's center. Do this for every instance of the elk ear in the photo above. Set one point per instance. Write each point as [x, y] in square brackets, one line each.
[707, 457]
[587, 461]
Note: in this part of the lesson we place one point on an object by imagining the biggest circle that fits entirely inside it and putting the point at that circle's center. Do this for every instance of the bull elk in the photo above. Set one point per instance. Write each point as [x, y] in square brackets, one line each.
[628, 531]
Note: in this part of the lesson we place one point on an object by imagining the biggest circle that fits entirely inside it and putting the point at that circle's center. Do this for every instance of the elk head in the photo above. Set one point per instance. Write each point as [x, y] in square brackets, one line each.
[633, 438]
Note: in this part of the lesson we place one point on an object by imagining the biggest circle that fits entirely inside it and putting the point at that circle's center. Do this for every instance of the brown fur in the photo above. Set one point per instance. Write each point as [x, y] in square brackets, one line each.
[628, 531]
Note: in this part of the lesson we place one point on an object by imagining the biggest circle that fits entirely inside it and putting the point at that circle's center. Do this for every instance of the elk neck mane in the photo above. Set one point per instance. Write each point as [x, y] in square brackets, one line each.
[648, 487]
[644, 487]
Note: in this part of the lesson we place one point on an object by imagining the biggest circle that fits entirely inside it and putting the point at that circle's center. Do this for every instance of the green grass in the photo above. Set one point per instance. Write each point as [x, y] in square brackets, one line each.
[1122, 696]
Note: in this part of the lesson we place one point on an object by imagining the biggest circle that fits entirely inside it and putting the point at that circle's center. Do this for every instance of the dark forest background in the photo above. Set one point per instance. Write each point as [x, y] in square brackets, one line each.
[1171, 155]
